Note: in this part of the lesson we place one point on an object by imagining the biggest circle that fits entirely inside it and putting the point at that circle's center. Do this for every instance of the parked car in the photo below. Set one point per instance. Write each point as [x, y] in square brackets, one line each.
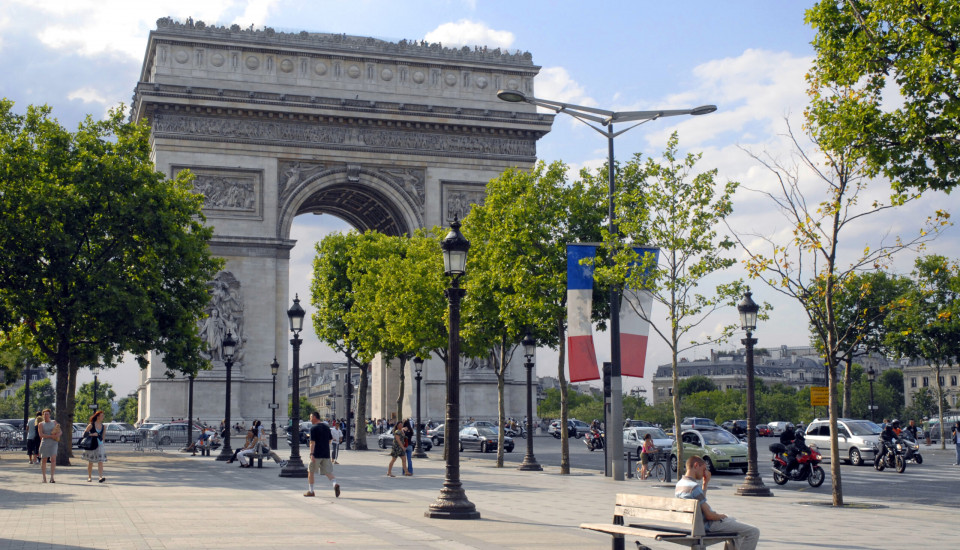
[633, 438]
[304, 433]
[696, 423]
[479, 423]
[720, 449]
[630, 423]
[77, 433]
[172, 434]
[483, 439]
[10, 436]
[857, 440]
[736, 427]
[385, 441]
[576, 428]
[436, 435]
[117, 431]
[763, 430]
[777, 428]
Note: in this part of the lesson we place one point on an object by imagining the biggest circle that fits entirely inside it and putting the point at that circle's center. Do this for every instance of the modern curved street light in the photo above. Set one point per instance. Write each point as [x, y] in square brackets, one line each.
[752, 484]
[606, 120]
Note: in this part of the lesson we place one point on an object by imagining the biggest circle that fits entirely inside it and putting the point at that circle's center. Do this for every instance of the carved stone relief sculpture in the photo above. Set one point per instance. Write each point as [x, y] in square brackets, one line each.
[224, 314]
[459, 201]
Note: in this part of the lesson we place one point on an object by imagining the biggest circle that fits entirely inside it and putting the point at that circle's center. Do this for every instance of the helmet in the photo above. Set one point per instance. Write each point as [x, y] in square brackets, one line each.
[895, 423]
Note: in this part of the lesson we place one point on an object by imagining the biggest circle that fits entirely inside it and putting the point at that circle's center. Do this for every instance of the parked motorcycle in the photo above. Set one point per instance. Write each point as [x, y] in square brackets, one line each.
[594, 440]
[893, 457]
[808, 466]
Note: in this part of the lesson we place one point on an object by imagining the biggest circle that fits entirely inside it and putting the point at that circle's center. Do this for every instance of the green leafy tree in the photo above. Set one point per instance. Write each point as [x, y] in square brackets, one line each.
[105, 397]
[127, 409]
[41, 397]
[100, 254]
[538, 213]
[886, 49]
[664, 204]
[926, 323]
[695, 384]
[306, 409]
[861, 303]
[809, 264]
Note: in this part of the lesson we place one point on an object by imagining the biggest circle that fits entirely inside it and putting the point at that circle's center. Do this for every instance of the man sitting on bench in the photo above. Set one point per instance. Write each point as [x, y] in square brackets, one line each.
[693, 485]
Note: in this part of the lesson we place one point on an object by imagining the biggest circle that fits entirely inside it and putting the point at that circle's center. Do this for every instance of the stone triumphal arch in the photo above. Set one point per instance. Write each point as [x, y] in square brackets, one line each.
[386, 136]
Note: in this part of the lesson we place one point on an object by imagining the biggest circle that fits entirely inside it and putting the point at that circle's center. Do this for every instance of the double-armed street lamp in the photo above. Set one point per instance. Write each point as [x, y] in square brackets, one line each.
[753, 484]
[229, 347]
[418, 372]
[529, 463]
[452, 502]
[871, 376]
[294, 467]
[274, 369]
[606, 119]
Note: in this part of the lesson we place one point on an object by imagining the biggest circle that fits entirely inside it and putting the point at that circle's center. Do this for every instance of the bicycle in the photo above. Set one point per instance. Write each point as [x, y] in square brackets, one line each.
[655, 466]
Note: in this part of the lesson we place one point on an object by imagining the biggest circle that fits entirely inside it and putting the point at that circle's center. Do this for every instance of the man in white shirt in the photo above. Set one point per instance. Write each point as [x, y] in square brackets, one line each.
[335, 442]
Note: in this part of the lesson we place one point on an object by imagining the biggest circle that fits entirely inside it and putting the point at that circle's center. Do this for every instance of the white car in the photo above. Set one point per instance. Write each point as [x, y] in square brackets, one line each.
[633, 438]
[777, 428]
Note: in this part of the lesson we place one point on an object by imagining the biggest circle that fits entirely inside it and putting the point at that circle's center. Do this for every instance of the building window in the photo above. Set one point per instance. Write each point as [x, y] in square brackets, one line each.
[913, 382]
[940, 379]
[953, 379]
[670, 390]
[801, 376]
[926, 382]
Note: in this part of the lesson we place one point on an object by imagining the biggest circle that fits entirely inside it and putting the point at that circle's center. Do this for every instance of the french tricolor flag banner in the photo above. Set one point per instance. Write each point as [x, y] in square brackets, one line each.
[581, 355]
[634, 329]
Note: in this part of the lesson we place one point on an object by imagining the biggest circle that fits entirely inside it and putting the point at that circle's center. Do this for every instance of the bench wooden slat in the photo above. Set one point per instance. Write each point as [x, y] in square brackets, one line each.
[659, 503]
[654, 515]
[631, 531]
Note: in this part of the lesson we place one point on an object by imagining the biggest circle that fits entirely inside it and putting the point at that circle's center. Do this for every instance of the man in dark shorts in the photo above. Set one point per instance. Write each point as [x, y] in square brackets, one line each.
[320, 438]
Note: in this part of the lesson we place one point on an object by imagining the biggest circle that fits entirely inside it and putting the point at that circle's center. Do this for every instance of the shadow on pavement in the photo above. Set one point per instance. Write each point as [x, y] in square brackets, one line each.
[21, 499]
[15, 543]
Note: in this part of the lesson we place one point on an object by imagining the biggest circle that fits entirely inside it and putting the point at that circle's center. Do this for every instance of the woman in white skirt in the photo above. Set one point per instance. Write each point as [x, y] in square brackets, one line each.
[95, 429]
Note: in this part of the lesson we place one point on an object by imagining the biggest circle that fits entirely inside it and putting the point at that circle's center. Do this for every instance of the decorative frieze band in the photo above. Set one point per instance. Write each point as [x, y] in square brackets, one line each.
[228, 192]
[339, 137]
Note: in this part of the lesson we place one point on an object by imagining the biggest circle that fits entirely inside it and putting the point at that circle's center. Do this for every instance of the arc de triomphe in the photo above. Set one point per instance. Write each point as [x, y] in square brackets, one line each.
[386, 136]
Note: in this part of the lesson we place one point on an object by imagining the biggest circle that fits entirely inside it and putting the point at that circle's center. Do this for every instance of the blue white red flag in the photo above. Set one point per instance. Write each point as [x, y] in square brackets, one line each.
[581, 355]
[634, 329]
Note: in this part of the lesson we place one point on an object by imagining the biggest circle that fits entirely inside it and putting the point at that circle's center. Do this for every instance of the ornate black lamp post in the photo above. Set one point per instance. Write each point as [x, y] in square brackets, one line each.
[274, 369]
[189, 446]
[27, 373]
[452, 502]
[347, 435]
[753, 484]
[96, 373]
[294, 467]
[418, 372]
[229, 346]
[871, 376]
[529, 463]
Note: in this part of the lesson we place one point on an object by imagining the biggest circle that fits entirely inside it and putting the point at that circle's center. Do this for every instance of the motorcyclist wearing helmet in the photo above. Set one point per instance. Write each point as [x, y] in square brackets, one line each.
[888, 436]
[799, 445]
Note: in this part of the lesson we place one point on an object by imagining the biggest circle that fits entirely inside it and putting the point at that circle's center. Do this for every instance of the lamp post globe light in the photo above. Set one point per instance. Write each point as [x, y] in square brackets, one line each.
[274, 369]
[418, 376]
[229, 347]
[753, 484]
[606, 120]
[529, 463]
[452, 502]
[871, 376]
[294, 467]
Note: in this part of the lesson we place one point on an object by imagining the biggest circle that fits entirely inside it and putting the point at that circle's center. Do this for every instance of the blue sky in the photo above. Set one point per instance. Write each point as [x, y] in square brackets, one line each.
[749, 58]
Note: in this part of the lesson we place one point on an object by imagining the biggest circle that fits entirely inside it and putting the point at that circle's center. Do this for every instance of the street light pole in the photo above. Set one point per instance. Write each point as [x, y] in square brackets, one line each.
[452, 502]
[606, 119]
[27, 372]
[295, 467]
[349, 395]
[418, 375]
[189, 445]
[871, 376]
[529, 463]
[229, 345]
[274, 369]
[753, 484]
[96, 372]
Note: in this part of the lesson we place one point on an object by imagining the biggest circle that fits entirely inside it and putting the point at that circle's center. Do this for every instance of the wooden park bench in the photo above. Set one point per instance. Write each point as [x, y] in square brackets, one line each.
[259, 453]
[644, 517]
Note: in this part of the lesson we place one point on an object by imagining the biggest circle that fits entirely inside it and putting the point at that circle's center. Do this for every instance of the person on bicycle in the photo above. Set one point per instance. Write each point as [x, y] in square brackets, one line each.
[646, 453]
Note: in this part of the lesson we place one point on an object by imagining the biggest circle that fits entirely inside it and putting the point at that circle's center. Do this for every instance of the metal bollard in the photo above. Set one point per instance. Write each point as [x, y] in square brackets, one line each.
[629, 466]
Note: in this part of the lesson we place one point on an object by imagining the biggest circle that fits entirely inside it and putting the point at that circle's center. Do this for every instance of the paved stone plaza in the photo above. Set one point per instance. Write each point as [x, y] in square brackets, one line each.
[174, 501]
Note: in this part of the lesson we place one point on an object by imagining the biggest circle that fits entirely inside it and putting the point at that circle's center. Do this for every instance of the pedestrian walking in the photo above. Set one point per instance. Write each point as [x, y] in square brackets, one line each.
[33, 438]
[408, 440]
[956, 440]
[320, 437]
[49, 431]
[98, 454]
[335, 435]
[398, 451]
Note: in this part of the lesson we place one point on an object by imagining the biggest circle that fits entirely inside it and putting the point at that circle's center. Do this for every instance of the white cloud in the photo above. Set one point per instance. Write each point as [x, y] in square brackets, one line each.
[470, 33]
[92, 28]
[87, 95]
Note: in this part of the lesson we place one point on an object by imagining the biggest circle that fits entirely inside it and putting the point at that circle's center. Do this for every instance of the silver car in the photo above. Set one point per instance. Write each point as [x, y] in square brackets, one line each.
[118, 431]
[857, 440]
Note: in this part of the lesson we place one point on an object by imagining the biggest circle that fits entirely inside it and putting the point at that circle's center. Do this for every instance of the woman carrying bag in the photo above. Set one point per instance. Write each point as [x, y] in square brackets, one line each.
[92, 445]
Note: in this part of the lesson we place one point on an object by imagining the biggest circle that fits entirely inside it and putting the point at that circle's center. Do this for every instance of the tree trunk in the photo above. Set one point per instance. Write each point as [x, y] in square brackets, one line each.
[943, 434]
[72, 405]
[63, 384]
[847, 390]
[360, 431]
[831, 347]
[501, 420]
[564, 437]
[677, 431]
[403, 362]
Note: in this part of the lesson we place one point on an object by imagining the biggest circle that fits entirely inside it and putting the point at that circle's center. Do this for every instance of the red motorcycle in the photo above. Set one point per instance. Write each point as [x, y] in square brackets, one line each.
[808, 466]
